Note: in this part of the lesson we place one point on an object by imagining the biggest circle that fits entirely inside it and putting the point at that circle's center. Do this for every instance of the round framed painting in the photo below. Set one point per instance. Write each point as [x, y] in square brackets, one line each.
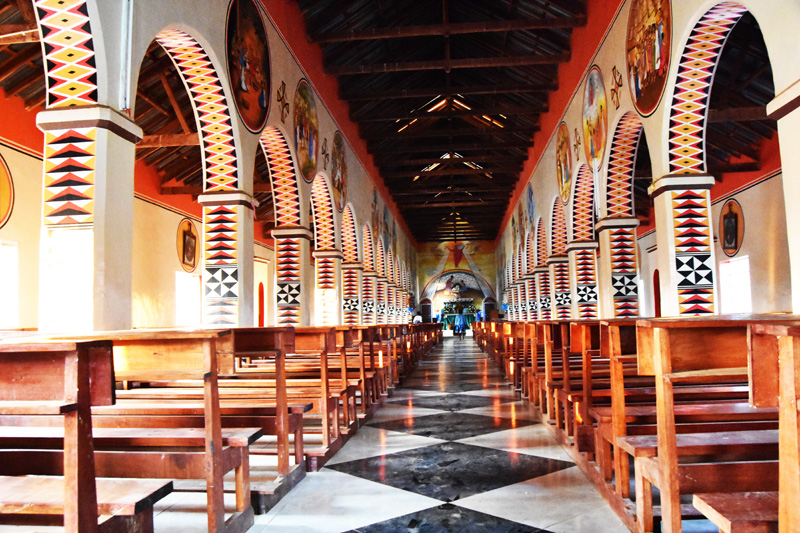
[731, 227]
[595, 118]
[647, 52]
[188, 245]
[6, 193]
[563, 162]
[339, 171]
[248, 63]
[306, 130]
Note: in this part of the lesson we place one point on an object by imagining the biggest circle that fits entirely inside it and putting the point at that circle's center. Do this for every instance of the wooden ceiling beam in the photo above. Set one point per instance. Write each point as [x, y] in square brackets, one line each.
[195, 190]
[738, 114]
[452, 28]
[25, 8]
[431, 92]
[174, 102]
[394, 161]
[161, 141]
[372, 116]
[450, 64]
[441, 190]
[18, 34]
[10, 65]
[449, 132]
[454, 147]
[465, 171]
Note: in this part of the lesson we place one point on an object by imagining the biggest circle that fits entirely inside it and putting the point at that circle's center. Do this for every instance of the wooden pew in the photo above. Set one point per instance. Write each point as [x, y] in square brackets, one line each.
[53, 379]
[696, 351]
[774, 374]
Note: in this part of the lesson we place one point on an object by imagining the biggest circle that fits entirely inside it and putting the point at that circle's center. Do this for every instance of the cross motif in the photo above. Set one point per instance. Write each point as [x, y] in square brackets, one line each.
[281, 97]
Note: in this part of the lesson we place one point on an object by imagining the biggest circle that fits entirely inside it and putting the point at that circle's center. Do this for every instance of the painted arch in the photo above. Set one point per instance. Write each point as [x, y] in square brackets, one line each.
[368, 281]
[559, 263]
[350, 283]
[559, 230]
[583, 206]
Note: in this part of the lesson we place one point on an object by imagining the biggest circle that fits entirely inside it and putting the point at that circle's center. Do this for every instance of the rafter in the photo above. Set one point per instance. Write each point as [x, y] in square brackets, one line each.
[161, 141]
[425, 161]
[18, 34]
[449, 132]
[431, 92]
[372, 116]
[464, 171]
[454, 147]
[449, 64]
[737, 114]
[453, 28]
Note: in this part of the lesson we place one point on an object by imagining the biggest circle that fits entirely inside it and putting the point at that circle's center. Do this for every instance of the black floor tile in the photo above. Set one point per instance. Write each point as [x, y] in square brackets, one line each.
[451, 426]
[453, 402]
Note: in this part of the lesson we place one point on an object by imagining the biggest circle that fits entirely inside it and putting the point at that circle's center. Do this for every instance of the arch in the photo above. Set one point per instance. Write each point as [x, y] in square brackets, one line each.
[530, 279]
[693, 87]
[541, 243]
[368, 258]
[368, 280]
[282, 176]
[380, 283]
[559, 229]
[621, 161]
[220, 173]
[325, 228]
[583, 206]
[349, 236]
[530, 253]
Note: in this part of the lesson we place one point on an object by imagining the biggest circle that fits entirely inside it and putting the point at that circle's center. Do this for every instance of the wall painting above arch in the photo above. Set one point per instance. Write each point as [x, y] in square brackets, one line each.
[563, 162]
[339, 171]
[595, 119]
[6, 193]
[648, 52]
[306, 130]
[248, 63]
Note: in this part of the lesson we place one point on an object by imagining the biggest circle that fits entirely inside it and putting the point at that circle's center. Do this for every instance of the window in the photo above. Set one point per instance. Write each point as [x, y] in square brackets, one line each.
[734, 285]
[188, 299]
[9, 287]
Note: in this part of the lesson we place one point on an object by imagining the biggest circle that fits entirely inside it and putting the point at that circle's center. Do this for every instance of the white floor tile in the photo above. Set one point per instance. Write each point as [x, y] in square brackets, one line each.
[332, 502]
[370, 442]
[399, 411]
[518, 410]
[529, 440]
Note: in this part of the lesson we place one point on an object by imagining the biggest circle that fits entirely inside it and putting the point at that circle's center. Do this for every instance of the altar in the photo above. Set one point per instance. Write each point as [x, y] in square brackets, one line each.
[449, 319]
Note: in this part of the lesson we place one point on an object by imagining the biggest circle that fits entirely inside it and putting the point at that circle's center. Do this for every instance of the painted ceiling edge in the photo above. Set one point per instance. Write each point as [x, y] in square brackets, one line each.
[585, 43]
[288, 20]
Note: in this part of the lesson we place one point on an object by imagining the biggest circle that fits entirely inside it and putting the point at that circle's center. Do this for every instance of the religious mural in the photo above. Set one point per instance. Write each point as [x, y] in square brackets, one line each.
[339, 171]
[187, 245]
[595, 119]
[6, 193]
[563, 162]
[306, 130]
[648, 52]
[530, 206]
[248, 63]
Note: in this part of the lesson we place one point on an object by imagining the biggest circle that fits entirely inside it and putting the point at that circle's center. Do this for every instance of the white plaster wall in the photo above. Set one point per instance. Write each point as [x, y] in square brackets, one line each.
[23, 228]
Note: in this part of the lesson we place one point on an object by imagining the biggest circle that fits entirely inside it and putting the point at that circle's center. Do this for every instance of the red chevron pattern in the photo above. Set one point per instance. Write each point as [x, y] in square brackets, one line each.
[380, 301]
[349, 236]
[369, 258]
[560, 272]
[220, 223]
[283, 177]
[326, 273]
[530, 254]
[69, 176]
[287, 252]
[350, 294]
[559, 236]
[543, 281]
[533, 301]
[690, 212]
[71, 69]
[380, 262]
[541, 244]
[623, 272]
[220, 227]
[693, 85]
[325, 231]
[619, 193]
[512, 303]
[583, 206]
[211, 109]
[585, 271]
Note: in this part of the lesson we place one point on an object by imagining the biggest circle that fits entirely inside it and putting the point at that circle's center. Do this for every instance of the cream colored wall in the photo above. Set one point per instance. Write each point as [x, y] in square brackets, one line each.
[155, 261]
[765, 242]
[23, 228]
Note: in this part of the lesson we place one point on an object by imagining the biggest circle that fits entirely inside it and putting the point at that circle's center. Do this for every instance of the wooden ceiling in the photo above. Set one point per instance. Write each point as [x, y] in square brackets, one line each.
[447, 97]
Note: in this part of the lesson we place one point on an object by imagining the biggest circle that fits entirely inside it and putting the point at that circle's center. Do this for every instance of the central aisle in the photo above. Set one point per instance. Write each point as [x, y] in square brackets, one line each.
[452, 450]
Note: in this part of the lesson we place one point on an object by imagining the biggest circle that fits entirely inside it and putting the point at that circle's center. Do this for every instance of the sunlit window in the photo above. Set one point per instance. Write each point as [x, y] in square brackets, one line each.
[734, 284]
[9, 287]
[188, 299]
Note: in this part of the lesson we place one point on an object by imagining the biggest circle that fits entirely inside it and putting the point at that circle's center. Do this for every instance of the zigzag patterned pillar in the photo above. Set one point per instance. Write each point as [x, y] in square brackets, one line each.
[351, 287]
[583, 265]
[617, 269]
[542, 274]
[380, 300]
[87, 223]
[522, 301]
[512, 303]
[530, 295]
[291, 245]
[368, 290]
[559, 273]
[328, 296]
[685, 244]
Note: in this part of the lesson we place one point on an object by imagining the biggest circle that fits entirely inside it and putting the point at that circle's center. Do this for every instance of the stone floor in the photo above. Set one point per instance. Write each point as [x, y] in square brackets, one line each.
[452, 450]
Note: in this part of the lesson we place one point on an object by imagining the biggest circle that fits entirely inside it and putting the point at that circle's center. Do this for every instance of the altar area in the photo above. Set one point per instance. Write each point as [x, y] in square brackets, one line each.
[449, 319]
[454, 307]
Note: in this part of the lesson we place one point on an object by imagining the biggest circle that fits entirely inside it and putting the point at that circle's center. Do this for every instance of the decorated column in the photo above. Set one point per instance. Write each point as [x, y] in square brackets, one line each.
[85, 252]
[542, 274]
[368, 295]
[685, 237]
[291, 246]
[617, 268]
[327, 309]
[583, 268]
[559, 273]
[531, 295]
[351, 285]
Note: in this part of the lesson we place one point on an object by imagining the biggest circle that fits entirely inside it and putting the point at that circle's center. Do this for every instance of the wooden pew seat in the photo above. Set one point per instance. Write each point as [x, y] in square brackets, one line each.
[740, 512]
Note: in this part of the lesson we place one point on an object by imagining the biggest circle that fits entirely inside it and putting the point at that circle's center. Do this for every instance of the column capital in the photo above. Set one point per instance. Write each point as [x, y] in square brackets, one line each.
[292, 232]
[353, 266]
[530, 275]
[582, 245]
[227, 198]
[556, 259]
[680, 182]
[370, 274]
[332, 254]
[611, 223]
[93, 116]
[543, 269]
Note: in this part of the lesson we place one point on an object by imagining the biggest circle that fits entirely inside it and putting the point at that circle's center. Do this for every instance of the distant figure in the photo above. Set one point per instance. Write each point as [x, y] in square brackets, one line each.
[460, 325]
